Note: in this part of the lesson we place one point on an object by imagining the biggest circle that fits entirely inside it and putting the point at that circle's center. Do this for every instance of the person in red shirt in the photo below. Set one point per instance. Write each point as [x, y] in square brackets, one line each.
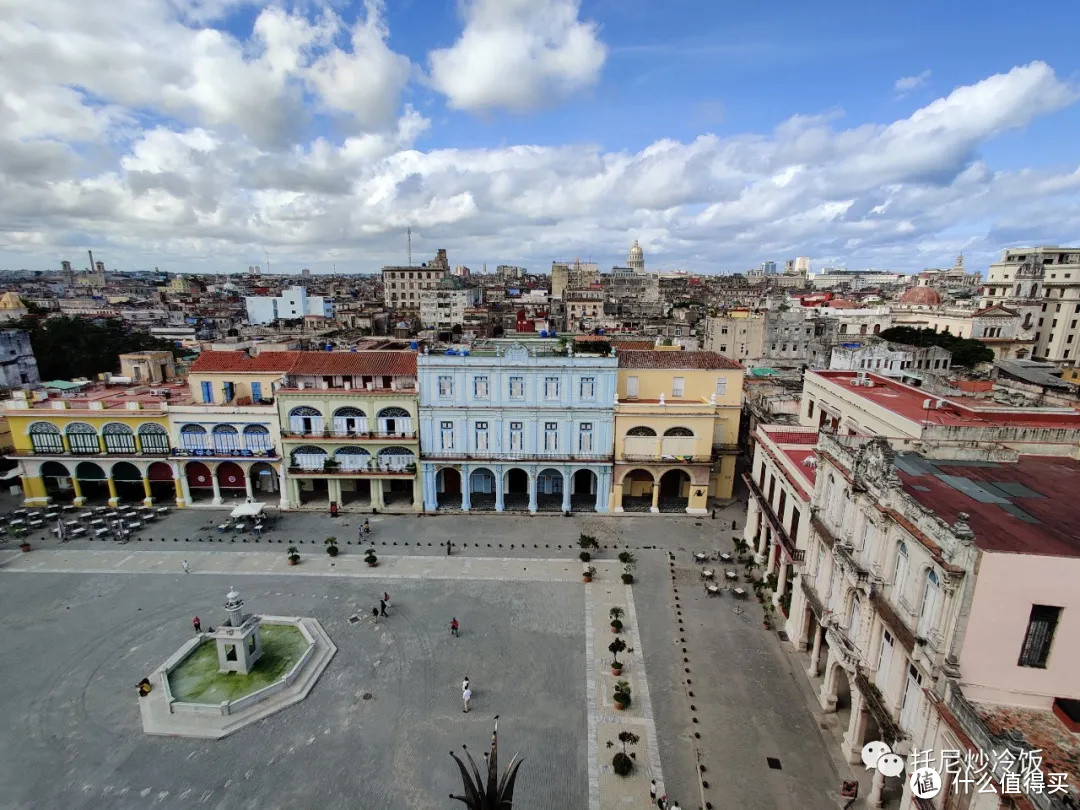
[196, 624]
[454, 626]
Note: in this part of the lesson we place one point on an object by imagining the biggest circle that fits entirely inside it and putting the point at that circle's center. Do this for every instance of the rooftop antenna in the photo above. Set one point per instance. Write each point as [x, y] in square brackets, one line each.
[408, 237]
[267, 255]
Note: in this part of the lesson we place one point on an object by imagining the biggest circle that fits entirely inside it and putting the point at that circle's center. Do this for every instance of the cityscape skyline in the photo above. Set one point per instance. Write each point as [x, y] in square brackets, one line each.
[520, 133]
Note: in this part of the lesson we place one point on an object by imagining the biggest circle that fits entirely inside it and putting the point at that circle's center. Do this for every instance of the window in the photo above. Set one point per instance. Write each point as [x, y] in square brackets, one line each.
[480, 387]
[931, 591]
[446, 385]
[517, 387]
[772, 487]
[1040, 634]
[900, 569]
[207, 391]
[721, 386]
[481, 435]
[810, 408]
[256, 392]
[909, 708]
[118, 438]
[226, 440]
[551, 437]
[193, 437]
[551, 387]
[782, 505]
[256, 438]
[446, 435]
[678, 387]
[305, 421]
[632, 387]
[153, 439]
[588, 387]
[82, 439]
[45, 438]
[515, 435]
[585, 437]
[228, 392]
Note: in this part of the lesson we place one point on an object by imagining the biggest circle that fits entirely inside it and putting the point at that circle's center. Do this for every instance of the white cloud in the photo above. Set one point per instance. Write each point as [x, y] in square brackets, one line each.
[906, 84]
[518, 55]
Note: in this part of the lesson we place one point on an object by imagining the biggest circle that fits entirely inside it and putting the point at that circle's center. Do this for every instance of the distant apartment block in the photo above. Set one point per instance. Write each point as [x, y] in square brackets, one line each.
[294, 302]
[402, 286]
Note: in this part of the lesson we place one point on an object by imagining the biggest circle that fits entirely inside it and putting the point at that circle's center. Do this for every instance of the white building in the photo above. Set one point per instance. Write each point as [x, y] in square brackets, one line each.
[891, 359]
[443, 306]
[402, 286]
[294, 302]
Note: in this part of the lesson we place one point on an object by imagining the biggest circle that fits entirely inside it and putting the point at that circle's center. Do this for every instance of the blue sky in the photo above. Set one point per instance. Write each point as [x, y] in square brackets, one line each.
[202, 134]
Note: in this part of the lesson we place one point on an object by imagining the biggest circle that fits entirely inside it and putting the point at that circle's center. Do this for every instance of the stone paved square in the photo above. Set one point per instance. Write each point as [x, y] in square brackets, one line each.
[75, 646]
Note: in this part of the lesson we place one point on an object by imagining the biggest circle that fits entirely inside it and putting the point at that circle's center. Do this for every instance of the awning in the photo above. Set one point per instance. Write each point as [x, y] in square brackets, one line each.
[253, 509]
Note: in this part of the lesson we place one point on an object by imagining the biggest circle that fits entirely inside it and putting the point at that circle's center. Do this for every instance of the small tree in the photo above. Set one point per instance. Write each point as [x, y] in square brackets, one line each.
[587, 541]
[369, 557]
[628, 738]
[616, 647]
[331, 546]
[629, 563]
[616, 618]
[622, 693]
[293, 555]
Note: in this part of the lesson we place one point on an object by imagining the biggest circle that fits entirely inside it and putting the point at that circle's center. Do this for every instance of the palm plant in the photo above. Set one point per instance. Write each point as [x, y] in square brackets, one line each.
[496, 794]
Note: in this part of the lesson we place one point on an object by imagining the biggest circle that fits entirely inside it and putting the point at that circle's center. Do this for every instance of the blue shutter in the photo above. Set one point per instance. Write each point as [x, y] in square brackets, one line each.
[207, 392]
[256, 392]
[227, 390]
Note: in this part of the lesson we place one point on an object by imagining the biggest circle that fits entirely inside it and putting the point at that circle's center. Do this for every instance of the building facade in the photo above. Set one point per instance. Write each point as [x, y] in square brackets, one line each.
[349, 437]
[739, 335]
[512, 425]
[18, 366]
[293, 303]
[676, 430]
[402, 286]
[446, 304]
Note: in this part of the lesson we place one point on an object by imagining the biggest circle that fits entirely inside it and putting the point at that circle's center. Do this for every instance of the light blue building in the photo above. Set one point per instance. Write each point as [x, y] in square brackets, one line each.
[513, 426]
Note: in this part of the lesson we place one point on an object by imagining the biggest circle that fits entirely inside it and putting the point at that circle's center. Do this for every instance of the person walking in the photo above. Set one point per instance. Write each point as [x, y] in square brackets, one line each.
[386, 598]
[466, 697]
[184, 565]
[465, 683]
[652, 792]
[674, 806]
[453, 626]
[196, 624]
[382, 608]
[447, 548]
[367, 527]
[375, 614]
[661, 803]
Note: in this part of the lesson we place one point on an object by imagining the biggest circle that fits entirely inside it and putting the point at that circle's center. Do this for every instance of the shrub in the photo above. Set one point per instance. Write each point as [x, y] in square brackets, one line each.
[331, 546]
[627, 578]
[622, 764]
[616, 612]
[622, 692]
[616, 647]
[587, 541]
[616, 625]
[584, 556]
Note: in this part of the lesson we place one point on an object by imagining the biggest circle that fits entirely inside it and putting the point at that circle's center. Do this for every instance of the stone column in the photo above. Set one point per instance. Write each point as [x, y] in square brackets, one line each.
[500, 504]
[773, 552]
[216, 485]
[781, 583]
[185, 487]
[603, 491]
[567, 485]
[466, 496]
[417, 497]
[815, 652]
[762, 545]
[532, 493]
[178, 485]
[114, 499]
[616, 498]
[377, 493]
[77, 489]
[853, 739]
[750, 530]
[248, 488]
[430, 485]
[655, 498]
[876, 787]
[333, 490]
[827, 692]
[283, 489]
[294, 492]
[148, 494]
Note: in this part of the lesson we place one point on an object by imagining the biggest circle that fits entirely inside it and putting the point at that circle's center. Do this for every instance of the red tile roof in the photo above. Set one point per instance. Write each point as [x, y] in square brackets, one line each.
[674, 359]
[374, 363]
[237, 361]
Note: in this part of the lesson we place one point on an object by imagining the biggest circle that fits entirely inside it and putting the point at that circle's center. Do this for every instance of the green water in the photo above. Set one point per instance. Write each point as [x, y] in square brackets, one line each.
[197, 679]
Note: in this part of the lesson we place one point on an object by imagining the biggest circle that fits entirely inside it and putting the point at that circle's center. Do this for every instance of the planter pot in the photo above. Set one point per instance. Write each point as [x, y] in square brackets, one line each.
[293, 562]
[616, 671]
[613, 630]
[586, 579]
[25, 546]
[372, 564]
[620, 706]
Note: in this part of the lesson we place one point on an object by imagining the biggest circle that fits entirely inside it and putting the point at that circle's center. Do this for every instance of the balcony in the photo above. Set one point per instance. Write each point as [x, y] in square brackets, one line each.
[664, 448]
[223, 452]
[60, 453]
[823, 531]
[796, 554]
[846, 653]
[522, 456]
[348, 436]
[845, 554]
[875, 702]
[357, 472]
[892, 620]
[811, 594]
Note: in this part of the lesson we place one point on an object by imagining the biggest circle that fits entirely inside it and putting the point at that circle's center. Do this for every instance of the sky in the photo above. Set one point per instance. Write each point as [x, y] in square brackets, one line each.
[213, 135]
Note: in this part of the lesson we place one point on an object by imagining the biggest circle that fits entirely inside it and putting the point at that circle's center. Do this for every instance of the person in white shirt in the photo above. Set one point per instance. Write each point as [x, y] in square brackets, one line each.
[465, 683]
[466, 696]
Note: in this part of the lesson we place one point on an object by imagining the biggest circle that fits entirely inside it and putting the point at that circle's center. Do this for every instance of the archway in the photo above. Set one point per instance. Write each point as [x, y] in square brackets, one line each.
[128, 482]
[200, 481]
[448, 488]
[57, 480]
[516, 489]
[264, 481]
[637, 487]
[162, 487]
[842, 689]
[549, 490]
[583, 491]
[313, 491]
[482, 490]
[674, 491]
[92, 481]
[231, 480]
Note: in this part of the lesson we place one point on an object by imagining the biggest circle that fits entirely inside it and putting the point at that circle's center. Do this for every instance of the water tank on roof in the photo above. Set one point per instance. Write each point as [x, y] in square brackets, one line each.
[543, 333]
[465, 352]
[414, 345]
[451, 351]
[600, 331]
[329, 347]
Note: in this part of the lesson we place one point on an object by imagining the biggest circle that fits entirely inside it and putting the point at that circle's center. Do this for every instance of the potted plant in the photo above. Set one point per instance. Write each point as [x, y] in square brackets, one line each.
[587, 541]
[331, 546]
[629, 563]
[370, 558]
[293, 555]
[587, 573]
[622, 695]
[616, 614]
[616, 647]
[25, 545]
[622, 763]
[585, 556]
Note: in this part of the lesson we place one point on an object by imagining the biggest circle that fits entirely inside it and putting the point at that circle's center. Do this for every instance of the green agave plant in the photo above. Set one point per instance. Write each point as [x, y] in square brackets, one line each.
[496, 794]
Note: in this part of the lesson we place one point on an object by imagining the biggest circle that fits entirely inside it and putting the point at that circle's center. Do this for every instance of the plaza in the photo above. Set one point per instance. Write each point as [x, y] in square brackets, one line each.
[89, 619]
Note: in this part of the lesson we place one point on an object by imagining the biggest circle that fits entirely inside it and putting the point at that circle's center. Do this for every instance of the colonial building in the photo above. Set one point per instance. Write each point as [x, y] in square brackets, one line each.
[676, 430]
[514, 425]
[444, 305]
[348, 423]
[226, 439]
[95, 444]
[403, 286]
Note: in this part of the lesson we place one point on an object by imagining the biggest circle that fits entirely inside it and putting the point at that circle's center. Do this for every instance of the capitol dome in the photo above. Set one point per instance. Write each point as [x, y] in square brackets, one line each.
[921, 296]
[636, 258]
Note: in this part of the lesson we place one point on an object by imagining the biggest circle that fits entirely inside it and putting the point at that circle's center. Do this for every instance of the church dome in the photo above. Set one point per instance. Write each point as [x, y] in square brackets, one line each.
[636, 252]
[921, 296]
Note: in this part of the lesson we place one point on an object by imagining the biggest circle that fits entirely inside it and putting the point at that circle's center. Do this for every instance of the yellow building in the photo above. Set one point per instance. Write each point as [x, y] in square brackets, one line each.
[676, 430]
[226, 438]
[97, 444]
[349, 431]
